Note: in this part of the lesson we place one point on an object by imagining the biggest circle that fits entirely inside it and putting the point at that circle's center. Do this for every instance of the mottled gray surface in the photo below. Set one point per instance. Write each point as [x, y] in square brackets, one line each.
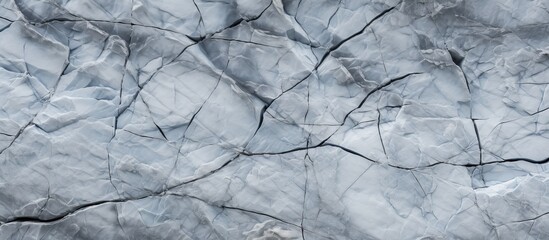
[282, 119]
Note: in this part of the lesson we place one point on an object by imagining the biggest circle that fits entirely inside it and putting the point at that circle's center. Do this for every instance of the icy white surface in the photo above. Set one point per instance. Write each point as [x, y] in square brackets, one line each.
[282, 119]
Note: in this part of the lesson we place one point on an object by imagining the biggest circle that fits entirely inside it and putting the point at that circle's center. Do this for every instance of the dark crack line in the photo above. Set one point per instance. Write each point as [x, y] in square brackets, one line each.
[128, 48]
[161, 131]
[260, 213]
[336, 46]
[238, 22]
[392, 165]
[141, 135]
[303, 206]
[527, 220]
[458, 61]
[18, 134]
[131, 24]
[242, 86]
[330, 50]
[419, 183]
[86, 206]
[217, 215]
[205, 175]
[509, 160]
[6, 27]
[254, 212]
[205, 101]
[478, 140]
[310, 43]
[82, 18]
[25, 234]
[308, 103]
[243, 41]
[9, 20]
[83, 207]
[201, 20]
[45, 104]
[152, 119]
[537, 112]
[260, 122]
[141, 87]
[195, 39]
[268, 105]
[354, 182]
[118, 113]
[308, 148]
[379, 132]
[332, 16]
[246, 153]
[195, 42]
[109, 169]
[378, 88]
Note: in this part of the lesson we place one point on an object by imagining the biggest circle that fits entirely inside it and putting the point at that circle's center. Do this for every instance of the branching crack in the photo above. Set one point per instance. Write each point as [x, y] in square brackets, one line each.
[508, 160]
[123, 109]
[201, 20]
[45, 104]
[115, 127]
[393, 165]
[17, 135]
[378, 88]
[152, 119]
[240, 20]
[330, 50]
[34, 219]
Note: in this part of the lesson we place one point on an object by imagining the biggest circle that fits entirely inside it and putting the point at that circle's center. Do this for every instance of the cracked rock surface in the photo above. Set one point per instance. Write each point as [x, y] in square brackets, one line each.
[274, 119]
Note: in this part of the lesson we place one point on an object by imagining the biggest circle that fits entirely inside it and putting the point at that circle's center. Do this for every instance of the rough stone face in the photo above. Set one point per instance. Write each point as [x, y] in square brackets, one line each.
[282, 119]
